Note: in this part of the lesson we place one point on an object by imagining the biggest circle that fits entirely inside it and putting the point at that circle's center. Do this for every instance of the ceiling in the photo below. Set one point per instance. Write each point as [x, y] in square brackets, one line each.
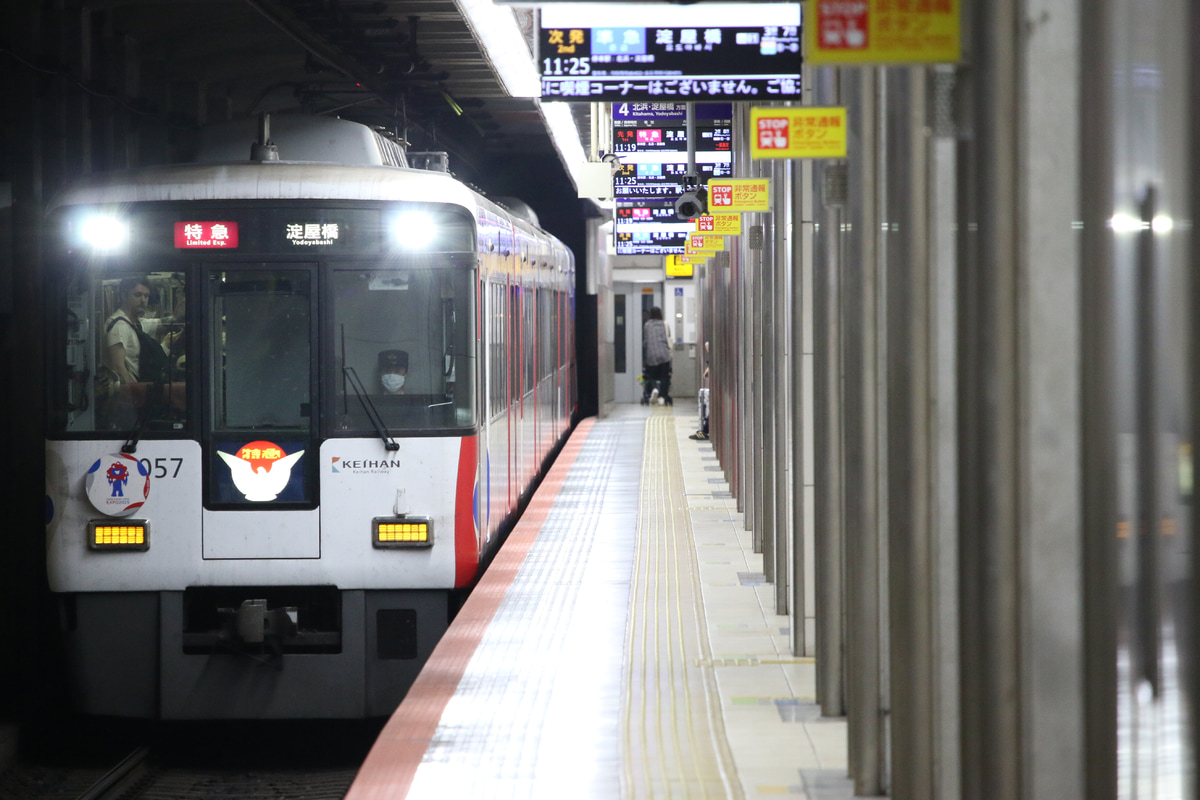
[411, 67]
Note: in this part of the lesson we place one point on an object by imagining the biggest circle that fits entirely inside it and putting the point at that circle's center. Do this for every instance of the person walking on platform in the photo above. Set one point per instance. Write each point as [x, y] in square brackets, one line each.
[656, 349]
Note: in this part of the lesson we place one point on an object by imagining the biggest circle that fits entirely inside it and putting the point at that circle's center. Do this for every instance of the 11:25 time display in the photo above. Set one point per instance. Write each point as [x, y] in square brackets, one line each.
[566, 66]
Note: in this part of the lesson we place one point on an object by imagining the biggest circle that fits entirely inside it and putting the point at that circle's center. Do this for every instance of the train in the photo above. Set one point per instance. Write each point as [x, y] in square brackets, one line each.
[298, 389]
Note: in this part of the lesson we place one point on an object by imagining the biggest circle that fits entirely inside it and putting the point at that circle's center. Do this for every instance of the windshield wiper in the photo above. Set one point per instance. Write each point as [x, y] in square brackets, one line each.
[369, 407]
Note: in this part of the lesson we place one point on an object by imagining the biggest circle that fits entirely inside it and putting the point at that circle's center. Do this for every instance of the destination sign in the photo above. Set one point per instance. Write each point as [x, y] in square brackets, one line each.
[206, 234]
[672, 53]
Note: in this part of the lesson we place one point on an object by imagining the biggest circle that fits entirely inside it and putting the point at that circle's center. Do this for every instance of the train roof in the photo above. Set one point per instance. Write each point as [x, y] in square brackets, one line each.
[276, 180]
[297, 137]
[319, 158]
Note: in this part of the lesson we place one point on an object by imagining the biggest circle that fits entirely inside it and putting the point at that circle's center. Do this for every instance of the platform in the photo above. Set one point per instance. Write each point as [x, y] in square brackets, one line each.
[623, 645]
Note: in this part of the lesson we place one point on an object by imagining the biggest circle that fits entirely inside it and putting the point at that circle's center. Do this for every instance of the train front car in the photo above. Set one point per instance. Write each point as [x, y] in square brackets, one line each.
[264, 456]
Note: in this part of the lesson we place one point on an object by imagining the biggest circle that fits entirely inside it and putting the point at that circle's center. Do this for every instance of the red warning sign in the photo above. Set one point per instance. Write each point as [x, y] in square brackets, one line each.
[720, 196]
[843, 24]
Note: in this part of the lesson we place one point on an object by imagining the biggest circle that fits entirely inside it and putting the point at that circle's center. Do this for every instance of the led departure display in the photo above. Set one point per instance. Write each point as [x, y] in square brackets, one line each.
[650, 140]
[673, 53]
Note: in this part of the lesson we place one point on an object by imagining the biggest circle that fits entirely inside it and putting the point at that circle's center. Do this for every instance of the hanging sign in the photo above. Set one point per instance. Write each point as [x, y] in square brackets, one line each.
[747, 194]
[676, 267]
[650, 139]
[798, 132]
[698, 242]
[640, 51]
[882, 31]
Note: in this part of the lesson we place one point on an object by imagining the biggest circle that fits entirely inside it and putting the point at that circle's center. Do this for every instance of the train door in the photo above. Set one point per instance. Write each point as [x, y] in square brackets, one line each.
[258, 416]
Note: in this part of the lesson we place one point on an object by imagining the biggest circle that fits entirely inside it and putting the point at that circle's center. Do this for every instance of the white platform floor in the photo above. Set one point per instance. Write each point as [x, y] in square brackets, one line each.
[634, 654]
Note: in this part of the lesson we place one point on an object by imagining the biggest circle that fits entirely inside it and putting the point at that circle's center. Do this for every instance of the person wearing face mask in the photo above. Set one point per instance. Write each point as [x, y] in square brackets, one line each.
[393, 368]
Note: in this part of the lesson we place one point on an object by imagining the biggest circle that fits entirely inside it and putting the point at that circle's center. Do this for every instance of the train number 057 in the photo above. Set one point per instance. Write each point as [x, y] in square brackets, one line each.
[160, 468]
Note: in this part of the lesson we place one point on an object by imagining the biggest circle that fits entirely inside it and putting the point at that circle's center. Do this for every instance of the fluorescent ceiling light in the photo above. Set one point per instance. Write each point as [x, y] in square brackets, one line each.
[666, 15]
[566, 137]
[502, 43]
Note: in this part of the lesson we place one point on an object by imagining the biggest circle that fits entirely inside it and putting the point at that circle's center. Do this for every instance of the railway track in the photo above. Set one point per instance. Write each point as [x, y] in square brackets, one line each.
[296, 761]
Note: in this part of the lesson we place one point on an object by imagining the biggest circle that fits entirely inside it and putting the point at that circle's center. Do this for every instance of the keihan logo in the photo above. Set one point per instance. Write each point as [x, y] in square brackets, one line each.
[260, 470]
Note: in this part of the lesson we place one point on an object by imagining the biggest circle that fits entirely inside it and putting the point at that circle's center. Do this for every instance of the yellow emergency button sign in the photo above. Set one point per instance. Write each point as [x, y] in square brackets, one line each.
[700, 242]
[882, 31]
[798, 132]
[735, 194]
[720, 224]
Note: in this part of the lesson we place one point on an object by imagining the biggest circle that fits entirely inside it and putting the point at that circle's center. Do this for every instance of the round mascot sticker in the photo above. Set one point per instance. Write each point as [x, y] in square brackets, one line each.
[118, 484]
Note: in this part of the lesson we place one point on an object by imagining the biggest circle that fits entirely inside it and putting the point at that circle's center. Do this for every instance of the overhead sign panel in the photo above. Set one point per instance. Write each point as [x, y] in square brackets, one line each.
[883, 31]
[626, 51]
[650, 140]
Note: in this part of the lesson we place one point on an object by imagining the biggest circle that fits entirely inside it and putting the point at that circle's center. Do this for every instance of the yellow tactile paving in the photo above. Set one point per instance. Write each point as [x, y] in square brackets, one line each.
[674, 744]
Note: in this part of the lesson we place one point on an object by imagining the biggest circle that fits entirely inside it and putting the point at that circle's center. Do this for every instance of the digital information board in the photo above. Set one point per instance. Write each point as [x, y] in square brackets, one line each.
[650, 139]
[593, 53]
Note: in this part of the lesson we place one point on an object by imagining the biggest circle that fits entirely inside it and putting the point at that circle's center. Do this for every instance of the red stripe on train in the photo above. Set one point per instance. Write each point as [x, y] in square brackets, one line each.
[466, 539]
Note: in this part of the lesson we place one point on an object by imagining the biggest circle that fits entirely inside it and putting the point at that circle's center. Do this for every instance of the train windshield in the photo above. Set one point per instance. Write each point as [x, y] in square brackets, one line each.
[402, 348]
[125, 353]
[261, 341]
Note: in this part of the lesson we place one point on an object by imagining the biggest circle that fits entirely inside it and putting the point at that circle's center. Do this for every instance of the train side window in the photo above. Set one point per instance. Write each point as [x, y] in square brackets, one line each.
[124, 354]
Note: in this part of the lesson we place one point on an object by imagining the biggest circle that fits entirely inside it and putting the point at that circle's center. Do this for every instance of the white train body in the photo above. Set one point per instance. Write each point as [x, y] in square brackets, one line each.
[287, 537]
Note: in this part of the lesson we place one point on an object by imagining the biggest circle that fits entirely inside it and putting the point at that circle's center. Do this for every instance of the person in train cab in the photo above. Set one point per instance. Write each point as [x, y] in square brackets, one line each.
[656, 360]
[132, 348]
[393, 369]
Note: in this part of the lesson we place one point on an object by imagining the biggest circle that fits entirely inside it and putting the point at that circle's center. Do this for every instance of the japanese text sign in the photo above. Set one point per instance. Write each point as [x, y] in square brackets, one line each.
[206, 234]
[617, 52]
[798, 132]
[698, 242]
[882, 31]
[751, 194]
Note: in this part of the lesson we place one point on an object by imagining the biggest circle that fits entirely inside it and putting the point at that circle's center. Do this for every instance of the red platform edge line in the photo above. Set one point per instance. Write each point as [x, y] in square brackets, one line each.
[388, 772]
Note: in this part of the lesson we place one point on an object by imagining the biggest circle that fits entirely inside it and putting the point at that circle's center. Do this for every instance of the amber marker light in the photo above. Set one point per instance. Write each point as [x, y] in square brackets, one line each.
[402, 532]
[133, 534]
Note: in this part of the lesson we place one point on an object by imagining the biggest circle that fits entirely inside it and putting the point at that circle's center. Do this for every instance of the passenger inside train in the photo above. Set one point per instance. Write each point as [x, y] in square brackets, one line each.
[138, 348]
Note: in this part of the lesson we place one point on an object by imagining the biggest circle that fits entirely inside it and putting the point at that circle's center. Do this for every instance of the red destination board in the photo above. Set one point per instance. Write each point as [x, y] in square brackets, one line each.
[206, 234]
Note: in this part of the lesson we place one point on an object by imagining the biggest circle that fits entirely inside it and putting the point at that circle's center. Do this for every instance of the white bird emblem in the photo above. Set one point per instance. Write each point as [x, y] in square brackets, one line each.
[267, 482]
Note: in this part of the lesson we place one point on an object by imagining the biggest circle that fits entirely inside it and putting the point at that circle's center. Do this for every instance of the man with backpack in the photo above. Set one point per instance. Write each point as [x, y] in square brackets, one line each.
[133, 351]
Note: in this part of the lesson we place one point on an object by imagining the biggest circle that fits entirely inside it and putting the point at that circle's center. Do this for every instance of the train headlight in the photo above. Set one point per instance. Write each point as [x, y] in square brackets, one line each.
[104, 233]
[402, 532]
[130, 534]
[415, 230]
